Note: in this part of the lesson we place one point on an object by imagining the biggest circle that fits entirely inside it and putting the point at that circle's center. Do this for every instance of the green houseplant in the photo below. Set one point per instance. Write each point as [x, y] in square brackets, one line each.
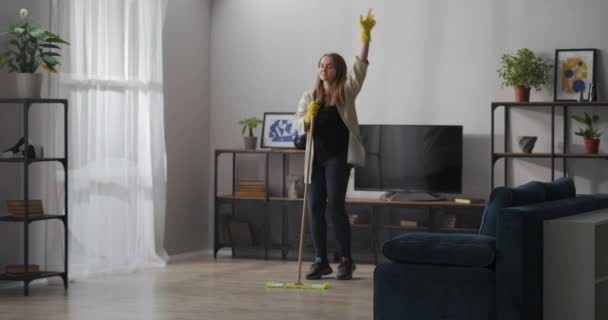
[590, 134]
[250, 123]
[29, 48]
[523, 70]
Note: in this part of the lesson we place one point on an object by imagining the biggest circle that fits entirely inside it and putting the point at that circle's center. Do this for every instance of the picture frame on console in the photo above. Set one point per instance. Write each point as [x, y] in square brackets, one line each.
[278, 130]
[574, 71]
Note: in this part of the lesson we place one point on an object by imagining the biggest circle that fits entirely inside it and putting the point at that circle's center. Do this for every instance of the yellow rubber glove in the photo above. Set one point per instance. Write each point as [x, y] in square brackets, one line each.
[367, 24]
[312, 110]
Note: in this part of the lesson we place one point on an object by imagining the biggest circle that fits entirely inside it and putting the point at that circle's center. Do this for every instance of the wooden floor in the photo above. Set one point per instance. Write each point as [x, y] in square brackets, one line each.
[202, 289]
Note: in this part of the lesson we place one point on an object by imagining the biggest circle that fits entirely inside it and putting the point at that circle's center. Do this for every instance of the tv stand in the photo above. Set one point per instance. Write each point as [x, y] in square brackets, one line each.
[267, 225]
[411, 196]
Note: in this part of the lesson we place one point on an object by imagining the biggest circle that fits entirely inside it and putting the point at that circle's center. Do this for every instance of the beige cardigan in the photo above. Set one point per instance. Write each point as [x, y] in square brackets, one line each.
[348, 113]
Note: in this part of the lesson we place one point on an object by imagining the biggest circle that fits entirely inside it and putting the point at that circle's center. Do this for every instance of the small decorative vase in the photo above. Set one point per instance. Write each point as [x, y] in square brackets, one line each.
[522, 94]
[592, 146]
[526, 143]
[295, 186]
[28, 85]
[250, 142]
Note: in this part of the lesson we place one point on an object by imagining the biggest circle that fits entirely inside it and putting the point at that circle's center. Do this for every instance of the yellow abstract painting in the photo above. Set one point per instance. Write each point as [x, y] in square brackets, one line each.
[574, 73]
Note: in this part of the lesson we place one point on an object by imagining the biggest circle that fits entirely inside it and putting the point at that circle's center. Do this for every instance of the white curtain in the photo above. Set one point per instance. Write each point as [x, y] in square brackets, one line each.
[112, 76]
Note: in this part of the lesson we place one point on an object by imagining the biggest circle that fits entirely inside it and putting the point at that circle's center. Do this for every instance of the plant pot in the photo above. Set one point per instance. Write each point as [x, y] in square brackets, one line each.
[592, 146]
[250, 142]
[522, 94]
[28, 85]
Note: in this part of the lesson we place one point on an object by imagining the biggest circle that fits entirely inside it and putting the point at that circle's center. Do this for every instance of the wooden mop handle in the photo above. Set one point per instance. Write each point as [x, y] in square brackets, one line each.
[308, 162]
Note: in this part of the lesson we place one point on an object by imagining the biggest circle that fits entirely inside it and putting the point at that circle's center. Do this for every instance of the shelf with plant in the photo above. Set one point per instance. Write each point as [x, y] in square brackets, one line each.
[30, 48]
[523, 70]
[589, 133]
[248, 124]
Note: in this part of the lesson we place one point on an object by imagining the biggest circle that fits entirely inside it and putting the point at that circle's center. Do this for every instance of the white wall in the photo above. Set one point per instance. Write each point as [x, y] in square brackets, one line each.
[186, 83]
[431, 62]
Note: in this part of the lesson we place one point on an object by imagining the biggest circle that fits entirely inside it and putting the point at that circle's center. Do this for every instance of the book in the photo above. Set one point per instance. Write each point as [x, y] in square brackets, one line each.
[21, 203]
[250, 194]
[17, 208]
[251, 183]
[408, 223]
[251, 189]
[21, 268]
[22, 210]
[469, 201]
[22, 215]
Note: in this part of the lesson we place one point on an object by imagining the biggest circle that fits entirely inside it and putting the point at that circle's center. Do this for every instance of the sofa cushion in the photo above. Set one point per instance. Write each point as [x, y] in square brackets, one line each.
[529, 193]
[560, 189]
[500, 197]
[441, 249]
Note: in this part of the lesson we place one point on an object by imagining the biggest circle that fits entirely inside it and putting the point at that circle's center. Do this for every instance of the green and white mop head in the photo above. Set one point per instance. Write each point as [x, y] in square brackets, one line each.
[292, 285]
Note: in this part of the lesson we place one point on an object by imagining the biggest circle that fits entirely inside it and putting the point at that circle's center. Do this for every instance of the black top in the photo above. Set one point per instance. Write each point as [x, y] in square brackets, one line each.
[330, 134]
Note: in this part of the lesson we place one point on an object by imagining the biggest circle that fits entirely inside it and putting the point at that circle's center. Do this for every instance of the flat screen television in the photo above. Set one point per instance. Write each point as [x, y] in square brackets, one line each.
[411, 158]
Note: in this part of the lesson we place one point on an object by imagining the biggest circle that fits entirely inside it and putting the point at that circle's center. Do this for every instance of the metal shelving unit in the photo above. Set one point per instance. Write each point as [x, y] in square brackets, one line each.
[373, 208]
[27, 276]
[554, 154]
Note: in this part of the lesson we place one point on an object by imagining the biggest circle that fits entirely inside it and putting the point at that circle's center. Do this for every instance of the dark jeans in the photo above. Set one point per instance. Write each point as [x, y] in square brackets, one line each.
[327, 191]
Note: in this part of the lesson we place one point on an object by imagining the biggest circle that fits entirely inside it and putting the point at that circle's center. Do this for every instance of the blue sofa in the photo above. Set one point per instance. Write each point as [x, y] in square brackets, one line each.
[495, 274]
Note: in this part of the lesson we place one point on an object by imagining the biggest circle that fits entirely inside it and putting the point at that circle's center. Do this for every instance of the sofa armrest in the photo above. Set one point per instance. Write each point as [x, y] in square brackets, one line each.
[473, 250]
[519, 257]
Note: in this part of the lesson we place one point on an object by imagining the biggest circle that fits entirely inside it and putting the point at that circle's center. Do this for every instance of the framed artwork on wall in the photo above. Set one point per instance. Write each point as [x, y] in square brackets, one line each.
[574, 72]
[278, 130]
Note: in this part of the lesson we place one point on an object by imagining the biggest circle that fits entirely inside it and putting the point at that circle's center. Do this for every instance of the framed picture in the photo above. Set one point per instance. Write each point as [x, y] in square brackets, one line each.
[278, 130]
[574, 72]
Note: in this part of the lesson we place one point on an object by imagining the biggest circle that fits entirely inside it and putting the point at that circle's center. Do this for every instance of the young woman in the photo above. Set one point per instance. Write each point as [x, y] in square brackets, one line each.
[336, 147]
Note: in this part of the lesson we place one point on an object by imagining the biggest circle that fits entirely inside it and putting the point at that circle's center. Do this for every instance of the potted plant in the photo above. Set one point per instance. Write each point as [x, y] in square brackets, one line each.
[250, 140]
[30, 47]
[523, 70]
[590, 134]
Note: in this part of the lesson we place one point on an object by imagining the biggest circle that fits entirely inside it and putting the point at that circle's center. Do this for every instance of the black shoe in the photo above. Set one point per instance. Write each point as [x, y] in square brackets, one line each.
[318, 269]
[19, 146]
[346, 269]
[19, 150]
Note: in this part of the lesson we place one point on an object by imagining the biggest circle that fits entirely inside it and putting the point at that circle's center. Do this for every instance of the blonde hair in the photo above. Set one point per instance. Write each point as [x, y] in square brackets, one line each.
[336, 90]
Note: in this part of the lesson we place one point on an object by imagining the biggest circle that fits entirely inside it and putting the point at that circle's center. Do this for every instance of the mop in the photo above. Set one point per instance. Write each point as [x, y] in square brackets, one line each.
[298, 284]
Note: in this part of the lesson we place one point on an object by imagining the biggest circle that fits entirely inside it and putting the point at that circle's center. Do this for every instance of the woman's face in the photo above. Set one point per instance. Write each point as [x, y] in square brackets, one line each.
[327, 69]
